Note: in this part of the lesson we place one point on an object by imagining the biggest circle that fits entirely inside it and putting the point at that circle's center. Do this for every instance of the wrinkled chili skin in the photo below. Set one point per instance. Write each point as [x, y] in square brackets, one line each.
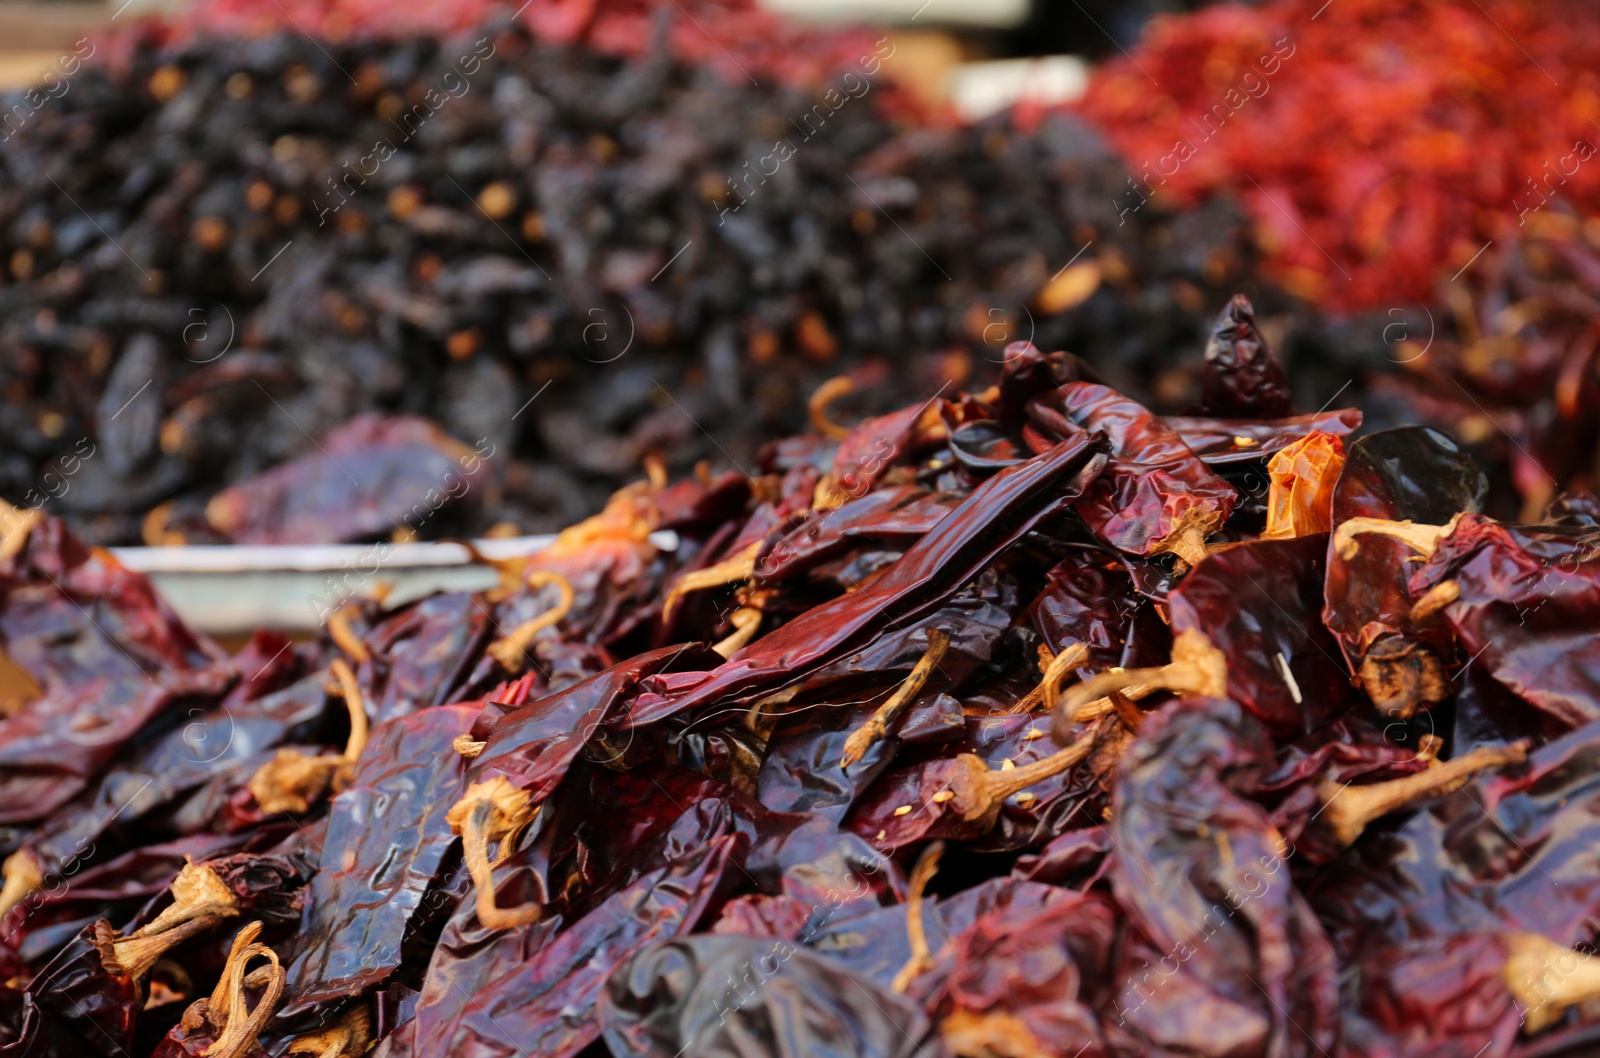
[387, 844]
[81, 999]
[547, 1002]
[1241, 377]
[1259, 603]
[1154, 485]
[1244, 939]
[676, 995]
[1526, 610]
[1406, 474]
[997, 513]
[1218, 441]
[534, 745]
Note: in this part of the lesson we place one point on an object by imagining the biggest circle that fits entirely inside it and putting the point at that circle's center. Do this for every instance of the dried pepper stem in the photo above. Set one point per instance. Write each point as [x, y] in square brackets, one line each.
[977, 791]
[293, 781]
[916, 931]
[199, 901]
[349, 1037]
[357, 708]
[990, 1032]
[492, 811]
[1546, 978]
[1348, 809]
[226, 1008]
[1424, 539]
[23, 873]
[1400, 673]
[735, 567]
[344, 637]
[1197, 668]
[1048, 689]
[746, 621]
[1187, 540]
[468, 746]
[1437, 598]
[512, 651]
[877, 725]
[19, 522]
[817, 406]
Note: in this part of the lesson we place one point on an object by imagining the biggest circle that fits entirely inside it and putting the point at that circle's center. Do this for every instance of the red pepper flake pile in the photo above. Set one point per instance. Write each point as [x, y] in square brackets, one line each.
[1377, 144]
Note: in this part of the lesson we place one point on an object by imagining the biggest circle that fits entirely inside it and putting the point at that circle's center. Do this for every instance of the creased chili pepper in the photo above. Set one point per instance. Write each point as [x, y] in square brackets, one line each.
[383, 854]
[1156, 496]
[90, 995]
[1258, 603]
[1241, 377]
[369, 477]
[545, 1000]
[1520, 603]
[1203, 877]
[1222, 442]
[891, 516]
[1408, 474]
[54, 749]
[1025, 979]
[997, 513]
[732, 993]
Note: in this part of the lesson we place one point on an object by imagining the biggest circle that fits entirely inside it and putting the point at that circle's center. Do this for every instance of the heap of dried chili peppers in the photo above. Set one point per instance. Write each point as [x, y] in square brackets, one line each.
[1018, 721]
[1377, 145]
[318, 231]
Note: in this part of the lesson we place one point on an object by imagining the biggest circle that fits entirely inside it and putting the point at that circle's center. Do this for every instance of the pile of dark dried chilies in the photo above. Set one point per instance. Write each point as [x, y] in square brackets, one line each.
[1016, 722]
[482, 215]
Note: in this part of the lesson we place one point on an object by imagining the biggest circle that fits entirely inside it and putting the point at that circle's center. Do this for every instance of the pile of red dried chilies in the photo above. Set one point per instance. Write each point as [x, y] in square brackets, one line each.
[1019, 722]
[1377, 145]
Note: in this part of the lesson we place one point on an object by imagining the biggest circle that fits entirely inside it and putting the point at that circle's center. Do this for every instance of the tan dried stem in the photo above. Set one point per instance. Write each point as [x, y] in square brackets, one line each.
[1437, 598]
[1187, 537]
[746, 621]
[1423, 539]
[817, 406]
[492, 811]
[1347, 810]
[993, 1034]
[1400, 673]
[23, 874]
[349, 1037]
[877, 725]
[921, 958]
[1197, 669]
[200, 900]
[18, 523]
[1048, 690]
[977, 792]
[1546, 978]
[735, 567]
[512, 651]
[292, 780]
[468, 746]
[344, 636]
[226, 1012]
[357, 708]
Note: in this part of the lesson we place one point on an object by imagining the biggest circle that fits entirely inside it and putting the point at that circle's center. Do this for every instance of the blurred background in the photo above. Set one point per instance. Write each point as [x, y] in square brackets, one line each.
[267, 266]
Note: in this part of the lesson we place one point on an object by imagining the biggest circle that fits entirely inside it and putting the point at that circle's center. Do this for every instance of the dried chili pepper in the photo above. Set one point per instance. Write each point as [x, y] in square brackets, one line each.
[1156, 496]
[1409, 474]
